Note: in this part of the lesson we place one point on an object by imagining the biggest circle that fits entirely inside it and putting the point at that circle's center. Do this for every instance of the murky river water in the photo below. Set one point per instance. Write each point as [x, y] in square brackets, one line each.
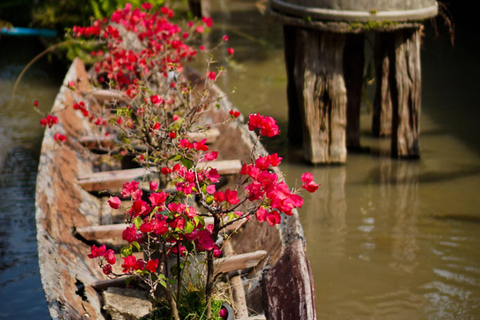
[387, 239]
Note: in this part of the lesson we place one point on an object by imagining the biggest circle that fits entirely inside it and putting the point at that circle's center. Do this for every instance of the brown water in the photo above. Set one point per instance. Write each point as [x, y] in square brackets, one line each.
[387, 239]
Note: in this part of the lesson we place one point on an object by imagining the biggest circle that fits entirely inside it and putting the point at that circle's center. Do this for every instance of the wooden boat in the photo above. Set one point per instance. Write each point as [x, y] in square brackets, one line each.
[275, 283]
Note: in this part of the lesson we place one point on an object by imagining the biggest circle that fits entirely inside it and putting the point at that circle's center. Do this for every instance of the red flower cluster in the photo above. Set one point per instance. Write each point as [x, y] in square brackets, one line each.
[308, 184]
[102, 252]
[267, 125]
[58, 137]
[49, 121]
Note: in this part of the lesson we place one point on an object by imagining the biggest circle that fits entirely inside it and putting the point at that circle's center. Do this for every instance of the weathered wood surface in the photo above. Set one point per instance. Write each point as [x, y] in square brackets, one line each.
[103, 95]
[406, 94]
[322, 95]
[288, 289]
[61, 205]
[115, 179]
[239, 261]
[382, 104]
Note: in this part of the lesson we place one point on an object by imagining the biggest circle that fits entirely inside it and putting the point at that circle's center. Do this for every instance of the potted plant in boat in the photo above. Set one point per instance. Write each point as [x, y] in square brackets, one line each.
[159, 116]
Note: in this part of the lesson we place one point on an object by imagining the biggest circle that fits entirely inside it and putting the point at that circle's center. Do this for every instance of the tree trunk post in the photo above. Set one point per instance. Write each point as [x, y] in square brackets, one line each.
[322, 94]
[406, 94]
[353, 63]
[382, 104]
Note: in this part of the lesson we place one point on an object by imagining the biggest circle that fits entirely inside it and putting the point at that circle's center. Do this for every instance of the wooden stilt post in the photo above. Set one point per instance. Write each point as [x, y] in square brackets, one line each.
[322, 94]
[294, 119]
[382, 104]
[353, 63]
[406, 94]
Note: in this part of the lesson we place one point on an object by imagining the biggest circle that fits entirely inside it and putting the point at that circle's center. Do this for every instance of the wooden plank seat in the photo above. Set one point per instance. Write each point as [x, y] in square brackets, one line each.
[115, 179]
[98, 142]
[222, 265]
[106, 96]
[114, 231]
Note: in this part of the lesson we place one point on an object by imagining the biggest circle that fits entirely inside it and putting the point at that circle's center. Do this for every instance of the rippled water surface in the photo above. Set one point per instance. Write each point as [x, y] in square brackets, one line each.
[387, 239]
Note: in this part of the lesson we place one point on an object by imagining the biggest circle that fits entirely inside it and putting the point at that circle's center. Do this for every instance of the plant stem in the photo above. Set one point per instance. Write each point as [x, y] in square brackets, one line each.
[210, 278]
[172, 303]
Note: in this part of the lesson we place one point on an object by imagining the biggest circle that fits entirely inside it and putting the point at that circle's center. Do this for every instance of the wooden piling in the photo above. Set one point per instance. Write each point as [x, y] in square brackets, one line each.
[322, 94]
[382, 103]
[406, 94]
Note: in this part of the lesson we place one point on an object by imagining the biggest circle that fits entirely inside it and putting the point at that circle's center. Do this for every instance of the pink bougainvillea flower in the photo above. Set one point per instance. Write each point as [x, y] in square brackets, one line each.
[130, 264]
[110, 256]
[35, 103]
[158, 199]
[210, 156]
[140, 208]
[114, 202]
[97, 251]
[58, 137]
[217, 253]
[128, 188]
[212, 75]
[308, 184]
[208, 21]
[223, 313]
[130, 234]
[165, 170]
[202, 48]
[205, 241]
[213, 175]
[231, 196]
[225, 38]
[165, 11]
[261, 214]
[273, 218]
[200, 146]
[49, 121]
[152, 265]
[146, 6]
[200, 29]
[172, 135]
[234, 113]
[267, 125]
[156, 99]
[218, 196]
[230, 51]
[107, 269]
[185, 144]
[153, 186]
[211, 189]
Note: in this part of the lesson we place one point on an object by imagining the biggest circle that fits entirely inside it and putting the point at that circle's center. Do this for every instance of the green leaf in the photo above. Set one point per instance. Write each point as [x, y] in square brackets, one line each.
[138, 222]
[128, 280]
[135, 243]
[126, 251]
[189, 227]
[187, 163]
[163, 283]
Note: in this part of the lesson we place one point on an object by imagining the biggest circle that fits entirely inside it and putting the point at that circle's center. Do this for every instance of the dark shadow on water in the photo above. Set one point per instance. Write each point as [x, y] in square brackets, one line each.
[19, 274]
